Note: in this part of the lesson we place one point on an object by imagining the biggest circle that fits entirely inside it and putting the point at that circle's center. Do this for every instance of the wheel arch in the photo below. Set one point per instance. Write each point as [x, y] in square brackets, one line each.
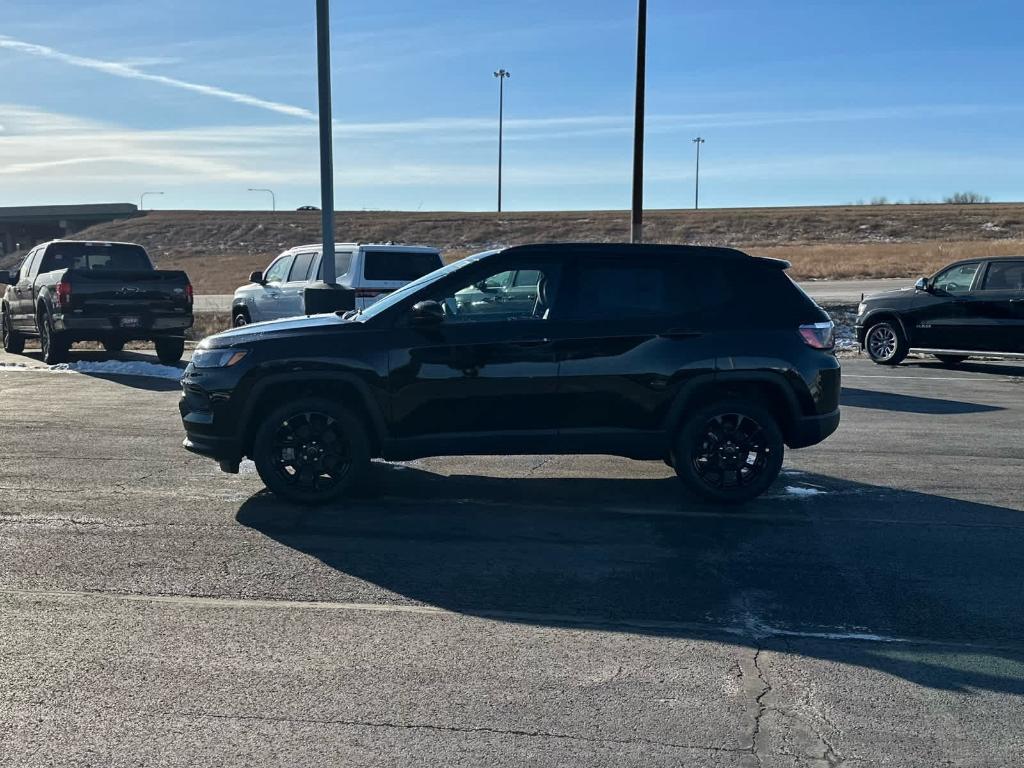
[881, 315]
[770, 390]
[346, 389]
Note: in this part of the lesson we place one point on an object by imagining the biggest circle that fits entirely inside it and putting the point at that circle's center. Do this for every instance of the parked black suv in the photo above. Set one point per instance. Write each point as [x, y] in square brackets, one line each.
[972, 307]
[708, 358]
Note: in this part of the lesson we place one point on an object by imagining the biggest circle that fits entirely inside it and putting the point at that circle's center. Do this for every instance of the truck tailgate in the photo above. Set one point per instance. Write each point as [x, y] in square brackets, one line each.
[117, 292]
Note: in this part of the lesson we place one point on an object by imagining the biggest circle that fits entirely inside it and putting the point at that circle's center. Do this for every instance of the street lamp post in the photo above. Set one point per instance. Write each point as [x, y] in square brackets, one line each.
[696, 188]
[502, 75]
[273, 199]
[143, 196]
[637, 227]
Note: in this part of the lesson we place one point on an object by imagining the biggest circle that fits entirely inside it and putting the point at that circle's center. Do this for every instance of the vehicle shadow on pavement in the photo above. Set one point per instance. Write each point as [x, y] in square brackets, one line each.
[826, 568]
[892, 401]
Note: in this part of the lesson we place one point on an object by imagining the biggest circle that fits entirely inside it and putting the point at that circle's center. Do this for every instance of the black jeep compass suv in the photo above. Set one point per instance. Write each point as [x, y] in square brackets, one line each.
[707, 358]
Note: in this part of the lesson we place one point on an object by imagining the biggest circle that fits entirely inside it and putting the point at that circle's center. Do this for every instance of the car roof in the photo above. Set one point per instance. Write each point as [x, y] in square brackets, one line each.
[83, 242]
[373, 246]
[661, 250]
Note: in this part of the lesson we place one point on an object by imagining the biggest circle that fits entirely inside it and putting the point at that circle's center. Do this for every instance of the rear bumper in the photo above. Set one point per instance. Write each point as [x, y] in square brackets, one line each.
[88, 328]
[811, 430]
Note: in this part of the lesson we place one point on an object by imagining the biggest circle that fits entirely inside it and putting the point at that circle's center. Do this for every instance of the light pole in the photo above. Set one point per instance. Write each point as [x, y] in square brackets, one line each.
[637, 227]
[323, 48]
[696, 189]
[273, 200]
[143, 196]
[502, 75]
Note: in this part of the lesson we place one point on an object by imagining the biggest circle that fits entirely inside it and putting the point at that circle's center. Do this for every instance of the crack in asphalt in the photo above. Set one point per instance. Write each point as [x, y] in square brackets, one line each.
[761, 706]
[454, 729]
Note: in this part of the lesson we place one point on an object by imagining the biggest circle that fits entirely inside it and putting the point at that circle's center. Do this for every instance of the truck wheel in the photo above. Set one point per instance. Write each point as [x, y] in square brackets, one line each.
[14, 342]
[170, 351]
[885, 343]
[311, 451]
[54, 345]
[239, 318]
[729, 452]
[113, 346]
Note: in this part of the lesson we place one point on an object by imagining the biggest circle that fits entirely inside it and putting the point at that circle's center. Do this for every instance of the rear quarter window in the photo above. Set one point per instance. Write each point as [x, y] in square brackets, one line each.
[404, 266]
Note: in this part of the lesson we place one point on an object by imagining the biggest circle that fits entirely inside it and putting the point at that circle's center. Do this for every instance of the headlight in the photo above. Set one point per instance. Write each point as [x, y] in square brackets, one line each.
[217, 358]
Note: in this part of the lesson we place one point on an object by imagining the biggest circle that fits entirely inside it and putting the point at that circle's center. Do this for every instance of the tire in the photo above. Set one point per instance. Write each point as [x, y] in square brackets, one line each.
[113, 346]
[13, 341]
[293, 455]
[54, 345]
[951, 359]
[239, 318]
[170, 351]
[724, 474]
[885, 343]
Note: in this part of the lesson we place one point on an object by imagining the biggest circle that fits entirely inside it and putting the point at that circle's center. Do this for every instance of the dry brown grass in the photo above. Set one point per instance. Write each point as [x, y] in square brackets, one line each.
[220, 248]
[857, 260]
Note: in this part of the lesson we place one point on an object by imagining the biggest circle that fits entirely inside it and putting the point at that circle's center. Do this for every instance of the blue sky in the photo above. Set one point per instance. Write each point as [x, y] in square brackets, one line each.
[800, 102]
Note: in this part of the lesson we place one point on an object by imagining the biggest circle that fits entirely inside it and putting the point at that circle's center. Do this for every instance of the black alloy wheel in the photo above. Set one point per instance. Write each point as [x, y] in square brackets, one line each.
[13, 341]
[729, 452]
[54, 347]
[311, 451]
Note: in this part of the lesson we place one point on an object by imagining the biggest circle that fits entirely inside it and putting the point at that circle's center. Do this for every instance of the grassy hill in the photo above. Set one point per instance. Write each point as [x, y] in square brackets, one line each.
[219, 248]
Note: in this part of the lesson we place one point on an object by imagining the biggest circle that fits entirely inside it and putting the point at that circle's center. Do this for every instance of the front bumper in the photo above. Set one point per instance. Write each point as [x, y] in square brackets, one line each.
[811, 430]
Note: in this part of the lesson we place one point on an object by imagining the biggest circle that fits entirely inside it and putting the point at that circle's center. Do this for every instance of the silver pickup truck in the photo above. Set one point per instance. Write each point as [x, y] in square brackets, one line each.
[370, 271]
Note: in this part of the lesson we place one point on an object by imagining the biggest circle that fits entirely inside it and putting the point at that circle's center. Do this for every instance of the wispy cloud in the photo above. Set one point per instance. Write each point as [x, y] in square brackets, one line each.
[132, 72]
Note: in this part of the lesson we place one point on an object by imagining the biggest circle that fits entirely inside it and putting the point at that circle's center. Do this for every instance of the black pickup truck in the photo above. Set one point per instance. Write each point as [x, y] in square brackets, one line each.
[67, 291]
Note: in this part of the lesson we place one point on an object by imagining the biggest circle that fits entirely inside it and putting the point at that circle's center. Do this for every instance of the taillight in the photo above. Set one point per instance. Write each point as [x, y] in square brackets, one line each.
[63, 290]
[819, 335]
[190, 295]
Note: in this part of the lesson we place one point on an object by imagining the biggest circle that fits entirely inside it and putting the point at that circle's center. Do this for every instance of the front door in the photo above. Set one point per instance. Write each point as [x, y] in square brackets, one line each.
[23, 303]
[488, 372]
[292, 301]
[948, 316]
[266, 299]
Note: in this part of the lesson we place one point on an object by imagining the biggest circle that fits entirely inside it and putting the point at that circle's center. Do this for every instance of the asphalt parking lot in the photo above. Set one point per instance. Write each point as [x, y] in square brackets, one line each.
[540, 610]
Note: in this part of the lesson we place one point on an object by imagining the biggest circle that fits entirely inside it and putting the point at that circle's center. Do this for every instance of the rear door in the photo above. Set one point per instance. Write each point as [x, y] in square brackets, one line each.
[267, 298]
[388, 269]
[23, 302]
[1000, 302]
[635, 333]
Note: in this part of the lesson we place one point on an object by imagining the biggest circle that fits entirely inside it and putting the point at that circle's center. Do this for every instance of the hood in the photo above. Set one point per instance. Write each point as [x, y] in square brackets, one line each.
[273, 328]
[898, 293]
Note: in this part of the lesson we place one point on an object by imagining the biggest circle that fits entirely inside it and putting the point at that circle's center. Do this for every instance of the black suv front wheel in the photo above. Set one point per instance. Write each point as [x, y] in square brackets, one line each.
[729, 452]
[311, 451]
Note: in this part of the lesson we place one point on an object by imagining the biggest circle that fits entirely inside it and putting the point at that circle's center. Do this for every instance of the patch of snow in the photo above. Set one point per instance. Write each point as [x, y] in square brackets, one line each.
[989, 226]
[247, 467]
[121, 368]
[795, 490]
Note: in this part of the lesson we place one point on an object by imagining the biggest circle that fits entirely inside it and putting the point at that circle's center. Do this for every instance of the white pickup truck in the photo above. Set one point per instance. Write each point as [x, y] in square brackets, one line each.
[370, 271]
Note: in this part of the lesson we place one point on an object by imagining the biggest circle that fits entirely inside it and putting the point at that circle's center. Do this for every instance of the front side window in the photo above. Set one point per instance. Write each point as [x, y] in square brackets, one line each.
[958, 279]
[300, 269]
[278, 272]
[1004, 276]
[493, 298]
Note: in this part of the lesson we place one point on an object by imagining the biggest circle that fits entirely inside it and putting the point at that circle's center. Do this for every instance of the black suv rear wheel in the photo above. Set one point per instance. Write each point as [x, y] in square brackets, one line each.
[311, 451]
[729, 452]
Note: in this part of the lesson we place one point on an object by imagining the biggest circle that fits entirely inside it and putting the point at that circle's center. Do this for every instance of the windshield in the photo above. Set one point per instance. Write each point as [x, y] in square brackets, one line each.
[406, 291]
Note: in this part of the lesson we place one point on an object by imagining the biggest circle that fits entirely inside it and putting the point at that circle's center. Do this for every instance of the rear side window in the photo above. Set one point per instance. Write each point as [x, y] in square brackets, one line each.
[342, 265]
[1004, 276]
[403, 266]
[301, 267]
[97, 256]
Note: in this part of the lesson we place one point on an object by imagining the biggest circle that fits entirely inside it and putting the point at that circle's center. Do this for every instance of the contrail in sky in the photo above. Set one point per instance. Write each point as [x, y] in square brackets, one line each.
[127, 71]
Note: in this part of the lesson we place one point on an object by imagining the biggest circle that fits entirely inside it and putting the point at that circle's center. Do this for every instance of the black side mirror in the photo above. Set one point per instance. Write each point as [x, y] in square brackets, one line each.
[257, 277]
[7, 278]
[427, 313]
[922, 285]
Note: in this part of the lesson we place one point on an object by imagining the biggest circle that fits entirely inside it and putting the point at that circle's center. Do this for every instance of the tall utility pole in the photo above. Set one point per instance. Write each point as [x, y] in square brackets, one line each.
[323, 50]
[637, 228]
[502, 75]
[273, 198]
[696, 189]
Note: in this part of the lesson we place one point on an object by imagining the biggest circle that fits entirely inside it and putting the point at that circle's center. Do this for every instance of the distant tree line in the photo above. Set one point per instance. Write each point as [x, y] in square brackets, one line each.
[958, 198]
